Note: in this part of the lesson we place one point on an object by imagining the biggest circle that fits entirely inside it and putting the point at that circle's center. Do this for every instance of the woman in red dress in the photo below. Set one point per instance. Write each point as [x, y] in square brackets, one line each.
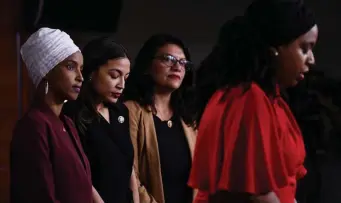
[249, 147]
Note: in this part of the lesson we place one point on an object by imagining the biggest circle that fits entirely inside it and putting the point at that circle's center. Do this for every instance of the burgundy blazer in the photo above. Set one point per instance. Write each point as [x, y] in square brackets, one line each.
[48, 164]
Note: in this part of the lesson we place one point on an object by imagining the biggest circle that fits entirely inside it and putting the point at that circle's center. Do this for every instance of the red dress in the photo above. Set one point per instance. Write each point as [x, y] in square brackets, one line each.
[248, 142]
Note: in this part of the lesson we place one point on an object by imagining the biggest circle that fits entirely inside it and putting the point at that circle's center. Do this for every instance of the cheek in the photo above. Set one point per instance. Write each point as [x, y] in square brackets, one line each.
[293, 62]
[63, 79]
[158, 73]
[183, 74]
[103, 85]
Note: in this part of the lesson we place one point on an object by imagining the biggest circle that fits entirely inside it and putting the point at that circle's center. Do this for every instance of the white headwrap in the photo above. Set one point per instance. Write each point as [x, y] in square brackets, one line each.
[45, 49]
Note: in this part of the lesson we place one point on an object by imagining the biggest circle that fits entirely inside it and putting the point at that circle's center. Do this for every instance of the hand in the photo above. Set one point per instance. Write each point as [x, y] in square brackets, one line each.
[96, 197]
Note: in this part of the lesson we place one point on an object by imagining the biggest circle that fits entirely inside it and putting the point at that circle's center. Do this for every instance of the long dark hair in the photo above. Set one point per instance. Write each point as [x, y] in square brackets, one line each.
[96, 53]
[239, 57]
[245, 51]
[140, 86]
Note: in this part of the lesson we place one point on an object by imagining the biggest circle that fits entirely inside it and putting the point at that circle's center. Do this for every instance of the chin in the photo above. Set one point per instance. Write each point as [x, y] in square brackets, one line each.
[71, 97]
[174, 86]
[294, 83]
[112, 100]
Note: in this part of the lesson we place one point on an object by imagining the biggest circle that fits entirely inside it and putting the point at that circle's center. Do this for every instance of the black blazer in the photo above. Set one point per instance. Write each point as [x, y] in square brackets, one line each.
[111, 154]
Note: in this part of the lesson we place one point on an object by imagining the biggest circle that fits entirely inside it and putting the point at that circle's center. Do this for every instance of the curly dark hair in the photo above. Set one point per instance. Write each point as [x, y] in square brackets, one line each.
[140, 86]
[96, 53]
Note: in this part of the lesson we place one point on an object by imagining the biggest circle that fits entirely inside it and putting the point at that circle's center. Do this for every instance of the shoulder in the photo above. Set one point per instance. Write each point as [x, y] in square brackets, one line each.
[241, 95]
[136, 108]
[237, 102]
[257, 101]
[33, 118]
[133, 105]
[32, 124]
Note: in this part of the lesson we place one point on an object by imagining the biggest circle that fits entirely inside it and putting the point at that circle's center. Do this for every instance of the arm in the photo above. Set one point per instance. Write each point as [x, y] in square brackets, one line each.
[96, 197]
[32, 178]
[134, 187]
[134, 120]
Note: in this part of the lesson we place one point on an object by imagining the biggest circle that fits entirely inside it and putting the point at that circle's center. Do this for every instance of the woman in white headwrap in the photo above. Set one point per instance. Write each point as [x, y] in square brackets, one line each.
[48, 164]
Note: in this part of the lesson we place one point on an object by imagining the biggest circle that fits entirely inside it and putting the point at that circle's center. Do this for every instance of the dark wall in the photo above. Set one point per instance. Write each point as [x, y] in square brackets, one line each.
[198, 22]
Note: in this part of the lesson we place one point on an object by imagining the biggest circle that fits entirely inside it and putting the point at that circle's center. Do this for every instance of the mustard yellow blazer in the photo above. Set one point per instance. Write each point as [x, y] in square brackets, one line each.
[146, 153]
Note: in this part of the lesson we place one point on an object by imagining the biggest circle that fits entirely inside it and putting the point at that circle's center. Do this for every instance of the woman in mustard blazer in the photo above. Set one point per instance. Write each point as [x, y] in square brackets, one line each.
[161, 126]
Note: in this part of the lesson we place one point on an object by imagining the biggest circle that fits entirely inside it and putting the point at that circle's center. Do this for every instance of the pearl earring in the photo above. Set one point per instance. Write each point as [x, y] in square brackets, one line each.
[276, 53]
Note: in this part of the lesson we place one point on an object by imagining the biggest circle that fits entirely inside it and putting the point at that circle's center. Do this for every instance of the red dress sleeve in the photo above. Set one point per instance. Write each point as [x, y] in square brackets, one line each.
[238, 148]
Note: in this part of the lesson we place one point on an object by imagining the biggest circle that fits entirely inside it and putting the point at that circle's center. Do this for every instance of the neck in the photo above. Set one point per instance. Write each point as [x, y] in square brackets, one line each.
[54, 104]
[162, 102]
[100, 107]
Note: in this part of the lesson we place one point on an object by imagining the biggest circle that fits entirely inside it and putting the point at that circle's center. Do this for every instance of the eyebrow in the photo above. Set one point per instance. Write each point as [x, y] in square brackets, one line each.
[117, 70]
[167, 54]
[71, 61]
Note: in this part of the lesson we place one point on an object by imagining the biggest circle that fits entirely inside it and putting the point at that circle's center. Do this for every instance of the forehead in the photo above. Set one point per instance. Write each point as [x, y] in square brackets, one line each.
[172, 49]
[121, 64]
[310, 36]
[76, 57]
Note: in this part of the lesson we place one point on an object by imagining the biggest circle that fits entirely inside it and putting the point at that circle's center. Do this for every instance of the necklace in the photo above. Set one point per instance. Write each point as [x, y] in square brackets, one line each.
[169, 123]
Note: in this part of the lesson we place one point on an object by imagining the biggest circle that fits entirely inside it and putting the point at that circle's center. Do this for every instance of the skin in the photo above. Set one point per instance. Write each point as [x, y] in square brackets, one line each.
[109, 80]
[167, 78]
[66, 77]
[64, 82]
[296, 58]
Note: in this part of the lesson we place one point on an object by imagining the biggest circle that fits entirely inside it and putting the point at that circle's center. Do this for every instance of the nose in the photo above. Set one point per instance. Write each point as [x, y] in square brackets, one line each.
[177, 67]
[79, 76]
[121, 83]
[311, 58]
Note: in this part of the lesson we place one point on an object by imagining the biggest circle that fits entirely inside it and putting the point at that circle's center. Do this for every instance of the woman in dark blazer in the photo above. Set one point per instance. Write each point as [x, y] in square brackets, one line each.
[103, 122]
[48, 164]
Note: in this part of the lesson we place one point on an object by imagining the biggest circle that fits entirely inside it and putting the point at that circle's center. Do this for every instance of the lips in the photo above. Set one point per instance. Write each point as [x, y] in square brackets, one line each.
[76, 88]
[116, 95]
[176, 77]
[300, 76]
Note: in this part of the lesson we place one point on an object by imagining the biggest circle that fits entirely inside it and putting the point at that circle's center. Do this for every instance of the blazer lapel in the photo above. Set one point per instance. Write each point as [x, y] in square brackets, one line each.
[190, 136]
[153, 154]
[77, 144]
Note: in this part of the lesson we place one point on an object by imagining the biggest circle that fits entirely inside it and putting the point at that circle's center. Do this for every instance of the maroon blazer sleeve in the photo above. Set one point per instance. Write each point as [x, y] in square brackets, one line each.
[32, 178]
